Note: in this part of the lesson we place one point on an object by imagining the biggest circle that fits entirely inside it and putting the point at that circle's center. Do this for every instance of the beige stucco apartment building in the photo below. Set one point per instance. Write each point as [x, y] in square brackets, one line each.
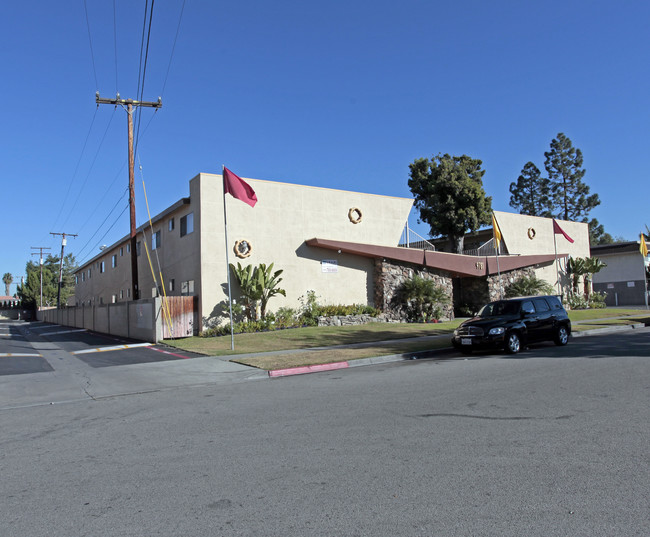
[187, 241]
[342, 245]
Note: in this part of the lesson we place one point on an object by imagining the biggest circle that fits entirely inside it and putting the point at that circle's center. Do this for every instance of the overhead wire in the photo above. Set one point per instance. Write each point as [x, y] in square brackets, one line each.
[83, 248]
[144, 74]
[92, 54]
[117, 87]
[76, 169]
[104, 235]
[92, 164]
[178, 27]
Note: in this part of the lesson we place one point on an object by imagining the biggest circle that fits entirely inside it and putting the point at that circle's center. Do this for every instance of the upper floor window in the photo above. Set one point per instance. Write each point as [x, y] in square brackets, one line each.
[171, 224]
[155, 240]
[187, 224]
[114, 261]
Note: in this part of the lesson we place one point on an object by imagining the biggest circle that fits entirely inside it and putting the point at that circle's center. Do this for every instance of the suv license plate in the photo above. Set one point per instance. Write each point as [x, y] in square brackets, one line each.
[465, 341]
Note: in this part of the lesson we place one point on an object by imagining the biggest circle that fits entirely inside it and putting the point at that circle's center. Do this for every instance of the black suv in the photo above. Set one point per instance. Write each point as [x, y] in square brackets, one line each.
[512, 323]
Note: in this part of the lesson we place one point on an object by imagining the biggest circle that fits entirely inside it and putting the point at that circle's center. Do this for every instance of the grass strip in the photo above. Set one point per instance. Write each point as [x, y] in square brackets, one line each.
[310, 337]
[270, 362]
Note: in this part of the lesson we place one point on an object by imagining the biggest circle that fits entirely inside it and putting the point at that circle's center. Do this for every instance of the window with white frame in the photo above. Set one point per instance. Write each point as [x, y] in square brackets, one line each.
[155, 240]
[114, 261]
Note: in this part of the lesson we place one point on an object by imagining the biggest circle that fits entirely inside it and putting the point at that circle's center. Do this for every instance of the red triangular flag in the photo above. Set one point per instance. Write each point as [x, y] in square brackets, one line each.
[238, 188]
[557, 230]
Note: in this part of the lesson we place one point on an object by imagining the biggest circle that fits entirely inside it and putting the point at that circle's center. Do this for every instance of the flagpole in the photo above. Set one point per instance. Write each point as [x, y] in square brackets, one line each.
[225, 228]
[643, 249]
[499, 271]
[557, 268]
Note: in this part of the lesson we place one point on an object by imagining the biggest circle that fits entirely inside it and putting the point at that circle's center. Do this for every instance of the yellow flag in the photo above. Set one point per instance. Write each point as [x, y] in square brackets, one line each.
[497, 231]
[643, 248]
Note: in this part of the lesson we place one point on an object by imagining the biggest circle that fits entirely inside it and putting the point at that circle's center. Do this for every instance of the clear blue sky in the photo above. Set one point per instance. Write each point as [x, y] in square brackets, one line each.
[343, 94]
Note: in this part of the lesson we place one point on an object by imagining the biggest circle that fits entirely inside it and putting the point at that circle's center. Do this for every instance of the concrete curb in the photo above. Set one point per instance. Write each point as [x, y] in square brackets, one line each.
[607, 330]
[419, 355]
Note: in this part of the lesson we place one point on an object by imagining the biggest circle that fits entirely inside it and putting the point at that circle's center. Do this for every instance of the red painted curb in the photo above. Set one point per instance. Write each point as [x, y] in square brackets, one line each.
[307, 369]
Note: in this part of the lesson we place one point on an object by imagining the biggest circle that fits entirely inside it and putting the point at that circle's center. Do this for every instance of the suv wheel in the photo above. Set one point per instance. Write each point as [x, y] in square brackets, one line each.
[513, 343]
[561, 336]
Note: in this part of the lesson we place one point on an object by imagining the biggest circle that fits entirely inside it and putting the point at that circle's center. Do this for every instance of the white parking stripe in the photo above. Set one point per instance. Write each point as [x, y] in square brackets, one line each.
[62, 332]
[11, 354]
[115, 348]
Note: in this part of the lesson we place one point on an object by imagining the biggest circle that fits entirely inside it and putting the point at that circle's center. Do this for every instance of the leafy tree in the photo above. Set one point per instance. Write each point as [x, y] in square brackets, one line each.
[449, 194]
[531, 193]
[571, 197]
[7, 279]
[30, 292]
[529, 286]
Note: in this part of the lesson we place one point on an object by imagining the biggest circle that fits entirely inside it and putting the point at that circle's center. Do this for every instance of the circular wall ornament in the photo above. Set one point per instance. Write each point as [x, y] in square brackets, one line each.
[243, 248]
[355, 215]
[531, 233]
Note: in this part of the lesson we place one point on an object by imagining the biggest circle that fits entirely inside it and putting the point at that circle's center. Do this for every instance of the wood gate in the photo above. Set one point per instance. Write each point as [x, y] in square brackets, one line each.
[178, 315]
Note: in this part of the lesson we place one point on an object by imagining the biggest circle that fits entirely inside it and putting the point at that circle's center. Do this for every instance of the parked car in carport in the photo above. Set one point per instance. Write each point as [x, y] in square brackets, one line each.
[513, 323]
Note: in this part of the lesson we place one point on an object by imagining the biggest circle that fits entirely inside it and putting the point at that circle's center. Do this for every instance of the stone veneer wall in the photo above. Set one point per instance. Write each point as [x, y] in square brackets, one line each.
[476, 292]
[389, 276]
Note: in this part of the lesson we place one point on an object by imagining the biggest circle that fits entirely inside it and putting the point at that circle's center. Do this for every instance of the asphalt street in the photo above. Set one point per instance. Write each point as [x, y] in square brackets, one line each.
[48, 364]
[552, 442]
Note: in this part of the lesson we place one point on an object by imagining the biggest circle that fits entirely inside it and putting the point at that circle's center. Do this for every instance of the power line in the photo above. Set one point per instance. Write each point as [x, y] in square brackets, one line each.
[117, 87]
[76, 169]
[92, 164]
[173, 48]
[104, 235]
[105, 219]
[144, 74]
[92, 54]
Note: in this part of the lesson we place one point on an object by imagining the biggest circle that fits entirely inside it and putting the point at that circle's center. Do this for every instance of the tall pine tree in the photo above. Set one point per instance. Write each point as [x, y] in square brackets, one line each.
[531, 193]
[571, 197]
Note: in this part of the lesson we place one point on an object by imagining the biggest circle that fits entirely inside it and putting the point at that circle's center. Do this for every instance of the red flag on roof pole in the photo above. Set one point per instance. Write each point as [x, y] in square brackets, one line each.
[238, 188]
[557, 230]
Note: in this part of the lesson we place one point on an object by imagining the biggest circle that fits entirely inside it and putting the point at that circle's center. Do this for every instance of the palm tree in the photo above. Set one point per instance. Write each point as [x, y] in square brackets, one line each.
[7, 279]
[575, 268]
[592, 266]
[422, 297]
[529, 286]
[257, 284]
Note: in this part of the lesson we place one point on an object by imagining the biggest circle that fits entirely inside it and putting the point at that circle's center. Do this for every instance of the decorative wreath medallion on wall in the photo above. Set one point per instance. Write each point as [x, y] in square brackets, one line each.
[531, 233]
[355, 215]
[243, 248]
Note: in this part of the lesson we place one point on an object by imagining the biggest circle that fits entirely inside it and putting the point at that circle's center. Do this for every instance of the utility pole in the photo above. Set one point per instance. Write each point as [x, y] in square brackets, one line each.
[41, 248]
[63, 243]
[129, 105]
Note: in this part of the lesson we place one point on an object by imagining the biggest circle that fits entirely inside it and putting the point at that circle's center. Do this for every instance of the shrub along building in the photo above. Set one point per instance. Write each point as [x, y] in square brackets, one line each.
[345, 246]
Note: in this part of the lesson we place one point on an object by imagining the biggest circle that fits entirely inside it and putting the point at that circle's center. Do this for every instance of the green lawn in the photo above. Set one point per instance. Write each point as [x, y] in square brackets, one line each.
[300, 342]
[315, 336]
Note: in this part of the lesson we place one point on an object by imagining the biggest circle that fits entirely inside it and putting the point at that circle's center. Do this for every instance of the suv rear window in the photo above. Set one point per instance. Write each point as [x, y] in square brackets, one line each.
[554, 302]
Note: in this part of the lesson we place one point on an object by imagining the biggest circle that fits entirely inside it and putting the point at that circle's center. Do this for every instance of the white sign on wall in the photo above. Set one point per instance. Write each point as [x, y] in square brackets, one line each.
[630, 284]
[330, 266]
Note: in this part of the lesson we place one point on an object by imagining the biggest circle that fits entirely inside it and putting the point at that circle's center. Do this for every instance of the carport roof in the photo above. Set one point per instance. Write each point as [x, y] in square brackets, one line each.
[456, 264]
